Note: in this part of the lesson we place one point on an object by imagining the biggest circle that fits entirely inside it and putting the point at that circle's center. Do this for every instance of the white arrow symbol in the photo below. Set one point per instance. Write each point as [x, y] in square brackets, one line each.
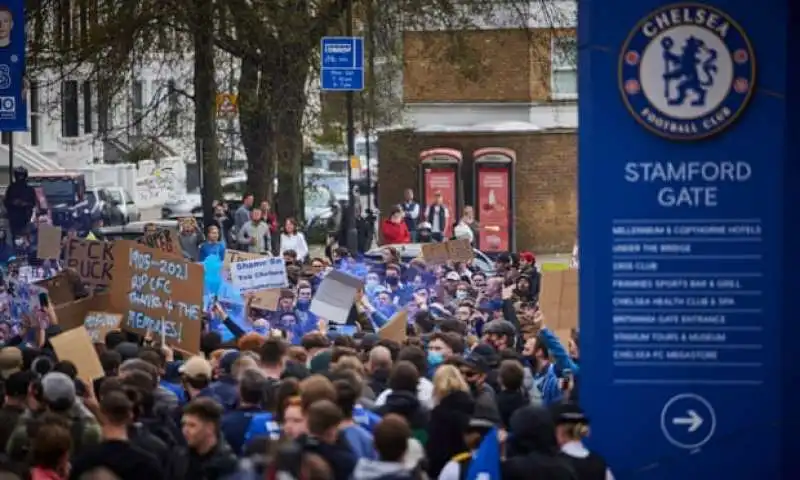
[693, 420]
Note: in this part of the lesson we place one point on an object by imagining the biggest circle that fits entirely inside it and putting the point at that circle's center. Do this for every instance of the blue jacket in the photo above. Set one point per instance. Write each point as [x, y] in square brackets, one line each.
[242, 425]
[226, 390]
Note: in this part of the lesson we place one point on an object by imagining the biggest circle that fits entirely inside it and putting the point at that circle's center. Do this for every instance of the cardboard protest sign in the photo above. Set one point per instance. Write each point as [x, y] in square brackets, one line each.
[158, 292]
[49, 242]
[259, 273]
[60, 288]
[72, 314]
[98, 324]
[459, 250]
[266, 299]
[233, 256]
[449, 251]
[558, 299]
[335, 296]
[434, 253]
[93, 260]
[396, 328]
[76, 346]
[165, 240]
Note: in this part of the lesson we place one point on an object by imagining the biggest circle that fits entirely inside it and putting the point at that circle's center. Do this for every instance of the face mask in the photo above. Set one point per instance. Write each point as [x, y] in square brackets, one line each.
[435, 358]
[461, 294]
[303, 304]
[261, 330]
[392, 280]
[372, 281]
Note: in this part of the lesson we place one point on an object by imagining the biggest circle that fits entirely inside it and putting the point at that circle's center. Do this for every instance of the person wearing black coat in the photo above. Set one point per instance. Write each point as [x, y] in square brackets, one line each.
[446, 427]
[532, 450]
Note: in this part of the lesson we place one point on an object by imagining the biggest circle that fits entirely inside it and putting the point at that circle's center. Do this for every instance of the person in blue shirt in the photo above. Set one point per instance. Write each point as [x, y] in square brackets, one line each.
[348, 390]
[213, 245]
[249, 420]
[546, 385]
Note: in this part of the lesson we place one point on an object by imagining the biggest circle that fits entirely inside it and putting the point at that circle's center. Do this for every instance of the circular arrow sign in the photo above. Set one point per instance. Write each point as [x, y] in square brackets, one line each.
[688, 421]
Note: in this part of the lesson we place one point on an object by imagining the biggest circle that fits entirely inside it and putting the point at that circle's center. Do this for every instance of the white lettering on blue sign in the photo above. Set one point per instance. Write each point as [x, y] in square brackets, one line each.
[688, 184]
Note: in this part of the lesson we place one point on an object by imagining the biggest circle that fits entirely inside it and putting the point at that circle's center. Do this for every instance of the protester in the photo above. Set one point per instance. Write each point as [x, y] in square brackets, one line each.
[293, 240]
[431, 362]
[394, 229]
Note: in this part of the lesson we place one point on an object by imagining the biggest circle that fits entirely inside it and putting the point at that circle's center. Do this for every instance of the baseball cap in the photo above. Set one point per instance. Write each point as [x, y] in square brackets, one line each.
[196, 366]
[57, 387]
[477, 363]
[453, 276]
[227, 360]
[10, 361]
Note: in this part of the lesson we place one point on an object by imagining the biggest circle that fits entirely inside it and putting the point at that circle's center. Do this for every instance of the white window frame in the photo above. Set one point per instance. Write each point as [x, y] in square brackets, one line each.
[557, 65]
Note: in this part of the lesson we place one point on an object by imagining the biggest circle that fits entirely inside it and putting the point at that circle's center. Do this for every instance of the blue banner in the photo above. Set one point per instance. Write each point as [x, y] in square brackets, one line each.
[13, 104]
[683, 158]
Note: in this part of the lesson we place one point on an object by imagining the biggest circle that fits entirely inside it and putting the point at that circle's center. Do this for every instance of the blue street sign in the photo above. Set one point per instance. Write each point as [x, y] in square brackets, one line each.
[13, 105]
[687, 175]
[342, 64]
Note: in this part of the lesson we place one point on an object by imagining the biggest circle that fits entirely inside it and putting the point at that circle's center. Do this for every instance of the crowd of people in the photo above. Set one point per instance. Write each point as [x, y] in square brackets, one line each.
[476, 386]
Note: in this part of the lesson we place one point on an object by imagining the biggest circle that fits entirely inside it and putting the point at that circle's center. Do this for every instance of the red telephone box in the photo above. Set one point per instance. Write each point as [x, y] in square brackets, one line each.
[494, 198]
[440, 171]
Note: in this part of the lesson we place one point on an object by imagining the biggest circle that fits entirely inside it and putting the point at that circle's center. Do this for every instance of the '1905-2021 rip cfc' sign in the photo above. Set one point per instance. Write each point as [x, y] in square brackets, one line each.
[158, 292]
[687, 71]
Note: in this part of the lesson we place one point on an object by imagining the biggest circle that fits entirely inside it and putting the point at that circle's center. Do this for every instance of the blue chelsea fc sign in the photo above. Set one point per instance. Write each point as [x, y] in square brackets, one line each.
[687, 71]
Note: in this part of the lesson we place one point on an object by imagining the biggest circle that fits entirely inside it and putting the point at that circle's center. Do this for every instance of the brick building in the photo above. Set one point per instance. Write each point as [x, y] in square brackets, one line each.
[506, 87]
[545, 196]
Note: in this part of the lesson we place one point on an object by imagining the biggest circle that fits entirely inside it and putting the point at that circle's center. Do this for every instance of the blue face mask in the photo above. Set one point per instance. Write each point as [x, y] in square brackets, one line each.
[303, 304]
[391, 280]
[435, 358]
[261, 330]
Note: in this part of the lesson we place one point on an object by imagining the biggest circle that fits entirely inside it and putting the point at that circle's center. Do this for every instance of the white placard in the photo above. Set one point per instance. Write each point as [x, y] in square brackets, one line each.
[259, 274]
[335, 296]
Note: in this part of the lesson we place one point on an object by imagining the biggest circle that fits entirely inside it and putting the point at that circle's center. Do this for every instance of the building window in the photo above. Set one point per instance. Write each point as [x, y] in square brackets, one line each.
[137, 104]
[5, 138]
[564, 68]
[87, 107]
[69, 109]
[105, 115]
[173, 107]
[35, 103]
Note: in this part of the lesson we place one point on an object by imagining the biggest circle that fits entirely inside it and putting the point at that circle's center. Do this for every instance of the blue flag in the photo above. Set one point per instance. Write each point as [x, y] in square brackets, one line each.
[485, 464]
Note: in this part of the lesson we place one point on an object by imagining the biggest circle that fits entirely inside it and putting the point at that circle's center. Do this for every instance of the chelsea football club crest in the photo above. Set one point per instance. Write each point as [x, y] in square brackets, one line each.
[687, 71]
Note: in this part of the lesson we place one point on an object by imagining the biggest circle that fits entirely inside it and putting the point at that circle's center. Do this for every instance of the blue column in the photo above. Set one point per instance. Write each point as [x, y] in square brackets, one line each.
[689, 181]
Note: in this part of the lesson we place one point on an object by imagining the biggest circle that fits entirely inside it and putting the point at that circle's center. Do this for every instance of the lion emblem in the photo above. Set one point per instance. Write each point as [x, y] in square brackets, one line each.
[692, 73]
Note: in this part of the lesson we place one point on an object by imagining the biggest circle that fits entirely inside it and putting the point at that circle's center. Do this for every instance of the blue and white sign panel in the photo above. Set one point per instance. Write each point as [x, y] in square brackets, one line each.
[342, 68]
[681, 243]
[13, 104]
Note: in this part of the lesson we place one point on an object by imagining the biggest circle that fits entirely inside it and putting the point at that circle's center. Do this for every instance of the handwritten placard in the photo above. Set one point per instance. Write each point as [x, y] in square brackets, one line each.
[98, 324]
[451, 250]
[165, 240]
[159, 292]
[233, 256]
[92, 260]
[260, 273]
[435, 253]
